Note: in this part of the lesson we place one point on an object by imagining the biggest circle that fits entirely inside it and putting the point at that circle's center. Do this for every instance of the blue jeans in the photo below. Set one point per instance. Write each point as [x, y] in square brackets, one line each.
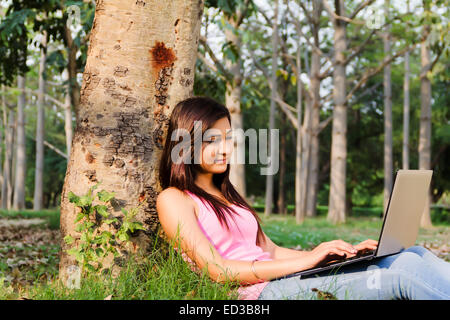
[414, 273]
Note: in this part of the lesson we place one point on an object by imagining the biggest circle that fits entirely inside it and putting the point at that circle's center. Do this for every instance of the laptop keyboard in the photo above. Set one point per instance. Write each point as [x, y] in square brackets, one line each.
[359, 255]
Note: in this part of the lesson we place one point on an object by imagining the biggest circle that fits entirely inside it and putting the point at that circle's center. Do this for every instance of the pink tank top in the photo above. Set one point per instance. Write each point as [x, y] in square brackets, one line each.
[238, 243]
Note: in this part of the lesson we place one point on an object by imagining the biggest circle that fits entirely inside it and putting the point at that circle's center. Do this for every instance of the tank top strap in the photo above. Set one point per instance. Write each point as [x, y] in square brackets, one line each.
[200, 203]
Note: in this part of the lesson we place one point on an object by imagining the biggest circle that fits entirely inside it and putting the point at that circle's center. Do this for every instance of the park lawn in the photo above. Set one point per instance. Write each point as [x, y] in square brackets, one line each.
[285, 232]
[29, 259]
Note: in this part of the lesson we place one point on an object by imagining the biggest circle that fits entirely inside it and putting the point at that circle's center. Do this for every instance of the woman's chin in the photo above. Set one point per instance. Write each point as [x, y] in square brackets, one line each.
[219, 167]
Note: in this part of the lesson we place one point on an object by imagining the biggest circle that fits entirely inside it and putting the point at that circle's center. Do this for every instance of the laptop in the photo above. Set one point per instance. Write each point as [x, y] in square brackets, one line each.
[401, 220]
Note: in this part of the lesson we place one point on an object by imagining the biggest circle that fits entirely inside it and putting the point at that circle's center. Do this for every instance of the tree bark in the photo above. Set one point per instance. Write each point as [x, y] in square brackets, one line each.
[406, 107]
[313, 159]
[299, 187]
[425, 119]
[7, 190]
[68, 128]
[233, 99]
[281, 202]
[388, 156]
[21, 169]
[269, 177]
[140, 63]
[40, 130]
[74, 87]
[337, 196]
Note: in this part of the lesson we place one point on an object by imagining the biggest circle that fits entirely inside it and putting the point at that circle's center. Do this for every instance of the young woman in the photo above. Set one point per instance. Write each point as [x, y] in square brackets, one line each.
[216, 228]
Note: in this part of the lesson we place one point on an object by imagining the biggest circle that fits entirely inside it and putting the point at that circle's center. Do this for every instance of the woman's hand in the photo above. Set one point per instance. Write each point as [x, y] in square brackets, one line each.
[366, 245]
[333, 250]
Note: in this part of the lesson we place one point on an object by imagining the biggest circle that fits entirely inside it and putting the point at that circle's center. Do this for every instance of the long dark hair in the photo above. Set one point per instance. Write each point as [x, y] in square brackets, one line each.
[182, 175]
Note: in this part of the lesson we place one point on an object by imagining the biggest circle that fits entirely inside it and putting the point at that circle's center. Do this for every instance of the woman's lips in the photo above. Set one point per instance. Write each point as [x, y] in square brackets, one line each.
[220, 161]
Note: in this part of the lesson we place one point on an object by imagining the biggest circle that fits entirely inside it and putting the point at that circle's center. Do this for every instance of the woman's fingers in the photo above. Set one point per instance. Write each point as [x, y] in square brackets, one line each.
[347, 246]
[367, 245]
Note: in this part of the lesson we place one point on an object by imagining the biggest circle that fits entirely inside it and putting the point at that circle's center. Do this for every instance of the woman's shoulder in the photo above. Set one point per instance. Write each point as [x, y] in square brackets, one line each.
[175, 197]
[172, 194]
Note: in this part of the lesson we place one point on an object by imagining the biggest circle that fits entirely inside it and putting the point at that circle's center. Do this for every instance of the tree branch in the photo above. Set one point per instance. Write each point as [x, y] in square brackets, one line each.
[228, 76]
[334, 17]
[373, 71]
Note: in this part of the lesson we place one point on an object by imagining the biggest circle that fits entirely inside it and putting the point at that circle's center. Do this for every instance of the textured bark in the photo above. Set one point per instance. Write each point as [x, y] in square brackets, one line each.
[40, 127]
[68, 117]
[72, 49]
[406, 108]
[140, 63]
[20, 161]
[281, 202]
[337, 196]
[425, 121]
[299, 187]
[388, 156]
[269, 177]
[233, 102]
[313, 159]
[7, 188]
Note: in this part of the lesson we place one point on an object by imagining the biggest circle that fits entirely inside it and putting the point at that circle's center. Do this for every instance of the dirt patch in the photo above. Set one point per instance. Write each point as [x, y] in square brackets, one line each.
[20, 222]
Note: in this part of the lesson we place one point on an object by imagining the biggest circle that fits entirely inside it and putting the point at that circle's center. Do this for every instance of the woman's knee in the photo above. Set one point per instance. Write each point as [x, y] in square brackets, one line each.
[419, 250]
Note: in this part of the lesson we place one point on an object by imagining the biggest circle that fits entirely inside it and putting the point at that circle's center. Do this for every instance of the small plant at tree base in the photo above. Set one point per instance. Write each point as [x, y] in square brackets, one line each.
[95, 244]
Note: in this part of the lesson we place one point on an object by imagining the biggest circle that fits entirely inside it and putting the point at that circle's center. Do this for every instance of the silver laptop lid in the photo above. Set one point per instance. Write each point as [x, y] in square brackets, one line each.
[405, 208]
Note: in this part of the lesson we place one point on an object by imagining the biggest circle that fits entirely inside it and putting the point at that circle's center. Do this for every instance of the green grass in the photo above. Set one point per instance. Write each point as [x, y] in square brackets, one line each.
[162, 275]
[51, 216]
[284, 231]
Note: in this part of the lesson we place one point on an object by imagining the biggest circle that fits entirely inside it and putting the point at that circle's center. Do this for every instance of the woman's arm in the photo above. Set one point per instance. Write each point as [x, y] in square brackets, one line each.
[179, 222]
[277, 252]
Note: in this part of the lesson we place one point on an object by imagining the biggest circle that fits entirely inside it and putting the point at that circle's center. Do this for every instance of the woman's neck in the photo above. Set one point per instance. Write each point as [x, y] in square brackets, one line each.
[205, 181]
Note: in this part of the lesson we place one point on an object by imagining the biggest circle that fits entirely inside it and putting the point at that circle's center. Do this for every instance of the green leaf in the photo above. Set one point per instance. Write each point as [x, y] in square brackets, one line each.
[72, 251]
[80, 227]
[102, 210]
[109, 221]
[73, 198]
[99, 252]
[123, 237]
[79, 217]
[105, 196]
[69, 239]
[85, 200]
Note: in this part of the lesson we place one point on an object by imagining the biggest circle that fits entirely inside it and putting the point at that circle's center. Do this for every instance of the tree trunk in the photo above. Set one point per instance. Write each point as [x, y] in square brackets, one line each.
[388, 157]
[281, 202]
[406, 107]
[141, 61]
[7, 189]
[233, 103]
[299, 187]
[68, 116]
[74, 88]
[337, 196]
[425, 121]
[269, 177]
[313, 160]
[40, 130]
[21, 165]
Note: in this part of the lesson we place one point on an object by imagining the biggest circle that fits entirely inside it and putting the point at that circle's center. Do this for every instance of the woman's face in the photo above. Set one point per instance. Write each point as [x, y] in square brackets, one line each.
[217, 146]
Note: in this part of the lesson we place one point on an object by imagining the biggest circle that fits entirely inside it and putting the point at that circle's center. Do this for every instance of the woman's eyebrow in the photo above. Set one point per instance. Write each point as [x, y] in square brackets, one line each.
[216, 135]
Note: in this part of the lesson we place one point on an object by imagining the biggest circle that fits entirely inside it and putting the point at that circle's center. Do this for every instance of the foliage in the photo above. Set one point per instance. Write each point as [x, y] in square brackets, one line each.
[95, 244]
